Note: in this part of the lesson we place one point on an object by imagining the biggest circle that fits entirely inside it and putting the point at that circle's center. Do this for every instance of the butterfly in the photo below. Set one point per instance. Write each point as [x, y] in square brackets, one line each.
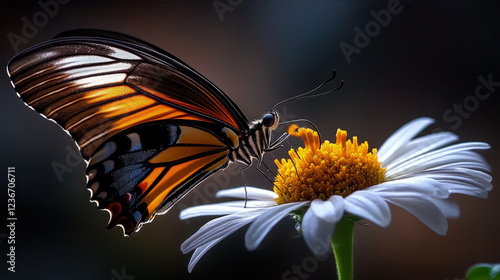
[149, 127]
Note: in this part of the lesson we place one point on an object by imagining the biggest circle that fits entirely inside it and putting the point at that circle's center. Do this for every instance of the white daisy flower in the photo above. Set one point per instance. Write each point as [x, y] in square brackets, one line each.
[324, 186]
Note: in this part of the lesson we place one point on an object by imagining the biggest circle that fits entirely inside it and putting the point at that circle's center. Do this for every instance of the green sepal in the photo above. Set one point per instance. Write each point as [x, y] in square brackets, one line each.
[484, 271]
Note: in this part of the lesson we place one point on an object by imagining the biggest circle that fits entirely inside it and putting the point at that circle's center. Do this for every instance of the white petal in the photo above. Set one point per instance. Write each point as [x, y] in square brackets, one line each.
[370, 206]
[319, 223]
[223, 208]
[469, 163]
[454, 180]
[448, 207]
[266, 221]
[455, 153]
[402, 136]
[200, 252]
[251, 193]
[330, 210]
[414, 186]
[470, 191]
[419, 146]
[217, 228]
[462, 177]
[424, 210]
[414, 166]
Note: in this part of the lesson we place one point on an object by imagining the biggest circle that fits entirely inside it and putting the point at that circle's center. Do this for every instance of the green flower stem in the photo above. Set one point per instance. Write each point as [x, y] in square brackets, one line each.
[342, 243]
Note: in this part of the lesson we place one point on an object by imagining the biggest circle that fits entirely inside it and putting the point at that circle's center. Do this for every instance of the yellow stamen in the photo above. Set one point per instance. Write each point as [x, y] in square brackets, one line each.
[321, 171]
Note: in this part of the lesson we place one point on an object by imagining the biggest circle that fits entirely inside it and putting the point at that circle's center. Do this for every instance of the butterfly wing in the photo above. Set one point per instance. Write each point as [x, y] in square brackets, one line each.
[150, 126]
[142, 171]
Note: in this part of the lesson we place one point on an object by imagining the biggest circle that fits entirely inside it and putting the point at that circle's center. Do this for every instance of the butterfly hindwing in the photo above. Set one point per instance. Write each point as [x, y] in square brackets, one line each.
[137, 172]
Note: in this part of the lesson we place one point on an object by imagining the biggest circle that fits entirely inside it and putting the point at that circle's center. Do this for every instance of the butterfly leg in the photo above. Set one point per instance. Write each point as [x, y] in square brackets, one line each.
[276, 144]
[262, 172]
[244, 184]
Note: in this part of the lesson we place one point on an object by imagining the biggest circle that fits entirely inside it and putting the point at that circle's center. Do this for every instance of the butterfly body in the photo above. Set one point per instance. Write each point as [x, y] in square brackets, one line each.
[149, 126]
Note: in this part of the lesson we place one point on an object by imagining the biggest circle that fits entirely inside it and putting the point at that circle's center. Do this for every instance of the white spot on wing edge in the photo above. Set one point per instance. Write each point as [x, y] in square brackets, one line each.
[103, 153]
[121, 54]
[103, 195]
[135, 140]
[94, 187]
[91, 174]
[101, 80]
[79, 60]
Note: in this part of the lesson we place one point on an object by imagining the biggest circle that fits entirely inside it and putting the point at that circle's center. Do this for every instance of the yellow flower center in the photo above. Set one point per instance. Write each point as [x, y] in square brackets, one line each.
[323, 171]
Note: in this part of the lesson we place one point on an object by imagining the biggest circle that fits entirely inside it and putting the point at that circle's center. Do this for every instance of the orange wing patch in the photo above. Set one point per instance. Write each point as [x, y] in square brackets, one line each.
[191, 135]
[94, 115]
[103, 94]
[87, 98]
[216, 110]
[125, 106]
[149, 180]
[179, 152]
[109, 128]
[177, 175]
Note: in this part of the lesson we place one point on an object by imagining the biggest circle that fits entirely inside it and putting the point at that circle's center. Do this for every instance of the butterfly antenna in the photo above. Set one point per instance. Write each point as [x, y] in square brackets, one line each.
[310, 93]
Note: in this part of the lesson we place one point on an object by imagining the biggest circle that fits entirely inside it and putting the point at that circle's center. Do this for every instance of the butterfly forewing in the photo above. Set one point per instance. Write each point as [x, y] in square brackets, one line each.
[149, 126]
[96, 90]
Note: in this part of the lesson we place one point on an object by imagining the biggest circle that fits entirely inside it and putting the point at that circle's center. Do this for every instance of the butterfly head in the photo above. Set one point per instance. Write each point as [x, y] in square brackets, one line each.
[270, 120]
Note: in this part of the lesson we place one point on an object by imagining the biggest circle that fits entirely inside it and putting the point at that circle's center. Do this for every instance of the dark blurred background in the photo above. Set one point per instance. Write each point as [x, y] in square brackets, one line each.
[427, 59]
